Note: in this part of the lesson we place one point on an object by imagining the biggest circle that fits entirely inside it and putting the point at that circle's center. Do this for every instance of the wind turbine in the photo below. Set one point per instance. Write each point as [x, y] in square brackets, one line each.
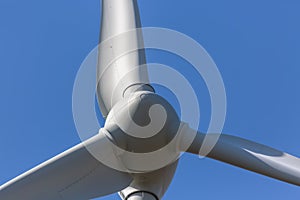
[76, 174]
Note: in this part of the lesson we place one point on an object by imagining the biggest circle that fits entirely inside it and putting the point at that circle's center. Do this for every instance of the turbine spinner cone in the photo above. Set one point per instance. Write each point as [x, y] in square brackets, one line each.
[142, 122]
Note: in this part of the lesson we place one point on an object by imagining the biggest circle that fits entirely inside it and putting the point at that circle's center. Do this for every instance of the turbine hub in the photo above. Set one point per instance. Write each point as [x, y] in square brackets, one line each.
[142, 122]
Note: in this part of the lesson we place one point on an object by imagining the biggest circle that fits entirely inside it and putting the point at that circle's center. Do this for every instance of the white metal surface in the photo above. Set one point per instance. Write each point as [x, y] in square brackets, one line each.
[74, 174]
[119, 54]
[251, 156]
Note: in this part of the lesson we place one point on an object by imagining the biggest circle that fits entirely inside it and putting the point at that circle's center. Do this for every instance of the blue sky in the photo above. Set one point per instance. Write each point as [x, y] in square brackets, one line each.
[255, 44]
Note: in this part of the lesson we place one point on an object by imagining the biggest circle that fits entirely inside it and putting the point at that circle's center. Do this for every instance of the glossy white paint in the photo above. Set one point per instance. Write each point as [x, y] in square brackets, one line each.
[120, 53]
[76, 174]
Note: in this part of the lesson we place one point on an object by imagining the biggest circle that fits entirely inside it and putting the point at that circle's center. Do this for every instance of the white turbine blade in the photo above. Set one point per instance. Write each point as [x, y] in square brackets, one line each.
[121, 61]
[74, 174]
[250, 155]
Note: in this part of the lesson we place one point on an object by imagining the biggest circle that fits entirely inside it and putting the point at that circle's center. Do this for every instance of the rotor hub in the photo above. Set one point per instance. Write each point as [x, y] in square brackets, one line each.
[142, 122]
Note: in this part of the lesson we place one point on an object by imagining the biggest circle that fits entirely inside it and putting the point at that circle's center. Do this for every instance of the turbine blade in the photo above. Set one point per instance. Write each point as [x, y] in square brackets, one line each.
[121, 61]
[74, 174]
[248, 155]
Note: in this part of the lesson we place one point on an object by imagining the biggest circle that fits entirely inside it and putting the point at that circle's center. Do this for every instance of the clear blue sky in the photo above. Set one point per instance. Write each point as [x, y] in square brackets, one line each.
[256, 45]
